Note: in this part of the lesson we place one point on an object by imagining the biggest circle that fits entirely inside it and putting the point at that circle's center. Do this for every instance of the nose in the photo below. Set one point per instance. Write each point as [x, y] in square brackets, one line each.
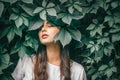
[44, 26]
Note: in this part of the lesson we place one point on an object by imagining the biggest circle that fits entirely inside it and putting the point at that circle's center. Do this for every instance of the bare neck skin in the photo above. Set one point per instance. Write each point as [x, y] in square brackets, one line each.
[53, 53]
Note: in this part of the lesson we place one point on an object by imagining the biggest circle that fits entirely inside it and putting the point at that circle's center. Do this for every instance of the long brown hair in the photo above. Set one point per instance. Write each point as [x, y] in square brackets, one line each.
[40, 67]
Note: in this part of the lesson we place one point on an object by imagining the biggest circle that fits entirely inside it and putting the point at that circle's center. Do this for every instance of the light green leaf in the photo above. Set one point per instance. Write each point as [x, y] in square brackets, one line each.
[18, 22]
[94, 76]
[10, 1]
[67, 19]
[18, 31]
[13, 16]
[92, 49]
[64, 37]
[116, 37]
[108, 72]
[91, 27]
[4, 61]
[70, 9]
[36, 25]
[50, 5]
[52, 12]
[21, 51]
[114, 4]
[103, 67]
[25, 21]
[77, 7]
[44, 3]
[37, 10]
[28, 1]
[4, 32]
[75, 34]
[28, 9]
[10, 35]
[1, 8]
[43, 15]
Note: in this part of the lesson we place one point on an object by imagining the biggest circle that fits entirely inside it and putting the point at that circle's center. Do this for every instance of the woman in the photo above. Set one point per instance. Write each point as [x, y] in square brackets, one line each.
[51, 62]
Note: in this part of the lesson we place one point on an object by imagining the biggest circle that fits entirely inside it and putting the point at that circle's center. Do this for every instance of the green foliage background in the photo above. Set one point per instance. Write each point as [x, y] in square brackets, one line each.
[92, 27]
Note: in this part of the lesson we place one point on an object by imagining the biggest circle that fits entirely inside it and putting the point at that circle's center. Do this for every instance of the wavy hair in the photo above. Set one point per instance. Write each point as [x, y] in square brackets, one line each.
[40, 66]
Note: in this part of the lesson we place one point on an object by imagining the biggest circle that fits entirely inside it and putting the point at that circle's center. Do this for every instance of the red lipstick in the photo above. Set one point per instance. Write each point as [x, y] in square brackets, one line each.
[44, 36]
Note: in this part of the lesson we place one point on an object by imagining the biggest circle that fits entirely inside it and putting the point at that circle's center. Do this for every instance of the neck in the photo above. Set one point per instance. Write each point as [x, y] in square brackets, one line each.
[53, 54]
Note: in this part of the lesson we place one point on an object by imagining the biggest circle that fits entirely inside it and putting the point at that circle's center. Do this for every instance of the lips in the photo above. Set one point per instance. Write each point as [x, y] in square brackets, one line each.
[44, 36]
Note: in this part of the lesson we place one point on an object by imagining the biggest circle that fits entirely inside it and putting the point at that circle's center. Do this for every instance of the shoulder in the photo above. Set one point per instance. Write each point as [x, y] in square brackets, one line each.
[76, 67]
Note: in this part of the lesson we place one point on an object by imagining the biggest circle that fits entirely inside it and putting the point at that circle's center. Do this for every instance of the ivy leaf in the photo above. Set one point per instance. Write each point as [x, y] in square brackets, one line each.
[77, 7]
[52, 12]
[22, 51]
[67, 19]
[37, 10]
[75, 34]
[18, 22]
[10, 35]
[103, 67]
[64, 37]
[91, 27]
[4, 32]
[43, 15]
[13, 17]
[28, 8]
[50, 5]
[18, 31]
[10, 1]
[1, 8]
[28, 1]
[25, 21]
[4, 61]
[35, 25]
[71, 9]
[116, 37]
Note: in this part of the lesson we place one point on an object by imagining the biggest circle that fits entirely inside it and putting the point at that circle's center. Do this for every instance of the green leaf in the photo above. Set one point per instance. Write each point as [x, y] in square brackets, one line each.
[91, 27]
[1, 8]
[28, 8]
[75, 34]
[91, 71]
[13, 16]
[67, 19]
[44, 3]
[10, 1]
[64, 37]
[77, 7]
[108, 72]
[18, 21]
[52, 12]
[43, 15]
[114, 4]
[4, 32]
[18, 31]
[37, 10]
[35, 25]
[50, 5]
[103, 67]
[10, 35]
[116, 37]
[22, 51]
[4, 61]
[25, 21]
[28, 1]
[71, 9]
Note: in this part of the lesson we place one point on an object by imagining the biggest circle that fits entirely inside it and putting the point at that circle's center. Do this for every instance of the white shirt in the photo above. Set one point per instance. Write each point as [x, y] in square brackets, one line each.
[24, 70]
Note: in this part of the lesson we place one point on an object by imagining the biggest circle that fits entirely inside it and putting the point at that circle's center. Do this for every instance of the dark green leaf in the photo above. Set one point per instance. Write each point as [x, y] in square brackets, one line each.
[52, 12]
[64, 37]
[1, 8]
[18, 22]
[10, 1]
[103, 67]
[4, 32]
[75, 34]
[28, 1]
[77, 7]
[4, 61]
[13, 17]
[10, 35]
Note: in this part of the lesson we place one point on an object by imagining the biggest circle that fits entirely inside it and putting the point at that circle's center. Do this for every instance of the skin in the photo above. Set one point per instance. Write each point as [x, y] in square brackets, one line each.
[46, 36]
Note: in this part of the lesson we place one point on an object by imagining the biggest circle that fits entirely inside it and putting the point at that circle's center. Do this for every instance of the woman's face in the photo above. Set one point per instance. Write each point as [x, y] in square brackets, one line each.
[47, 33]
